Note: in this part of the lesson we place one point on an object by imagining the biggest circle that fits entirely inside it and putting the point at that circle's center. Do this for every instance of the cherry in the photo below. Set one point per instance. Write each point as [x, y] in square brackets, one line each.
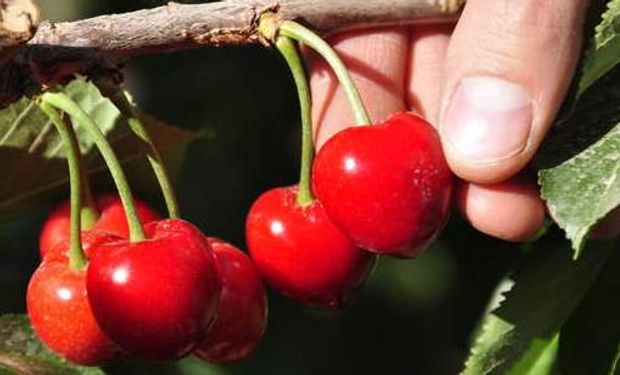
[301, 253]
[91, 239]
[61, 316]
[155, 298]
[112, 219]
[242, 308]
[387, 186]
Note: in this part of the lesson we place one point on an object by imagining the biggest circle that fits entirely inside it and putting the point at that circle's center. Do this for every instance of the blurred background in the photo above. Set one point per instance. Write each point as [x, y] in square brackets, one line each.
[412, 317]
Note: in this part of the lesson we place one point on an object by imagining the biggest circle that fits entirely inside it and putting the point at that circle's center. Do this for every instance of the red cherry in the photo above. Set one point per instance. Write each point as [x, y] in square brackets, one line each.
[61, 315]
[91, 239]
[242, 308]
[112, 219]
[155, 298]
[387, 186]
[301, 253]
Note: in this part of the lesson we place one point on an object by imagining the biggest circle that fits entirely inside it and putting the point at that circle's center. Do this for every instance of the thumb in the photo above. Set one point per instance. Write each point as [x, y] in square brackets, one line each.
[508, 65]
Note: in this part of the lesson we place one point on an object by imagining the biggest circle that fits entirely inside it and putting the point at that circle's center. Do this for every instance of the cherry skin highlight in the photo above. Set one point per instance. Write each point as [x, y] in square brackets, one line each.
[387, 186]
[112, 219]
[61, 315]
[155, 298]
[242, 308]
[301, 253]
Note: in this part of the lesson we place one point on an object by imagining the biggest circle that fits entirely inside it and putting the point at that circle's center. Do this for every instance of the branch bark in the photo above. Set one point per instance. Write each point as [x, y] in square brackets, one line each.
[180, 26]
[98, 45]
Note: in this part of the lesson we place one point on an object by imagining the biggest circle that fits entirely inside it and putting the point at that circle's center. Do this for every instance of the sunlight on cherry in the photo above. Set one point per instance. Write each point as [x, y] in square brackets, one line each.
[120, 276]
[64, 294]
[277, 227]
[350, 164]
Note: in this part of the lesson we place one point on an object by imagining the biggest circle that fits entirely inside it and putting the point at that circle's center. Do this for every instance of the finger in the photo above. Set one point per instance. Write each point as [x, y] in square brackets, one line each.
[510, 210]
[508, 67]
[376, 61]
[427, 53]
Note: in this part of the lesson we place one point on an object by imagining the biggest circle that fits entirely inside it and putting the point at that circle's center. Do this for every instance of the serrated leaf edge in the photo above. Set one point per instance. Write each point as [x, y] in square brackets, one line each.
[500, 296]
[577, 235]
[598, 44]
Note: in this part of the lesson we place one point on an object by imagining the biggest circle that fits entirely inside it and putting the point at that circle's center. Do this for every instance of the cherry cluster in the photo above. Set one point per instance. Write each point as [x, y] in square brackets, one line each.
[372, 189]
[381, 189]
[174, 293]
[115, 277]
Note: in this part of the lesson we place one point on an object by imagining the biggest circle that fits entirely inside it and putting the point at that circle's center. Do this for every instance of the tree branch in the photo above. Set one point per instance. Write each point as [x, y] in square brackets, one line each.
[98, 45]
[180, 26]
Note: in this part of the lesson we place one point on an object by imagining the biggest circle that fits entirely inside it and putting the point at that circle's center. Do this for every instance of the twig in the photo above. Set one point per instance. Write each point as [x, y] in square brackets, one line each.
[98, 45]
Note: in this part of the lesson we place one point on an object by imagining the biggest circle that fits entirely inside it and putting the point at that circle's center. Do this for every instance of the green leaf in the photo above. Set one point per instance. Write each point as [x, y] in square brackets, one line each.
[538, 359]
[29, 142]
[22, 353]
[520, 335]
[582, 190]
[589, 339]
[614, 369]
[579, 155]
[604, 51]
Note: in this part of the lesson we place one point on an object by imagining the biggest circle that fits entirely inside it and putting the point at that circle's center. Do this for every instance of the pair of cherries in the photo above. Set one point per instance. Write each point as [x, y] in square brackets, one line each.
[381, 189]
[174, 293]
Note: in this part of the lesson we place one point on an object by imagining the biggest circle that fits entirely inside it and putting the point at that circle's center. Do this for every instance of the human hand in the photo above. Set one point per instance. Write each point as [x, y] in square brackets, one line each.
[492, 85]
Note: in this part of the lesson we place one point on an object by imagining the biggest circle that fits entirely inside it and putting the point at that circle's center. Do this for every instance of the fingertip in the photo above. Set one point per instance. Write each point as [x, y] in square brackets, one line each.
[511, 210]
[506, 76]
[483, 173]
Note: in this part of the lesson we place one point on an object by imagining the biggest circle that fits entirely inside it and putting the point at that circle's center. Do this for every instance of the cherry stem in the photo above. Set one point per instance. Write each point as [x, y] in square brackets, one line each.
[77, 258]
[89, 212]
[308, 37]
[288, 49]
[128, 109]
[62, 101]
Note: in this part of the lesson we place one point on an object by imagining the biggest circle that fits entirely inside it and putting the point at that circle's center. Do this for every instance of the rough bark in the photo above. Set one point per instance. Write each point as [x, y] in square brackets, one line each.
[98, 45]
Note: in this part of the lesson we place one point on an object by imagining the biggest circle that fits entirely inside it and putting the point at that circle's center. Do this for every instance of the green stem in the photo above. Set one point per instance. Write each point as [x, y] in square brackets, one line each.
[128, 110]
[64, 102]
[77, 258]
[312, 40]
[288, 49]
[89, 212]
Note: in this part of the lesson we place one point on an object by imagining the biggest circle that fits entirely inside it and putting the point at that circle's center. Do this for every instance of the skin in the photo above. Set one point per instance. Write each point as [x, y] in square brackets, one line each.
[155, 298]
[61, 315]
[387, 185]
[301, 253]
[112, 220]
[531, 44]
[91, 239]
[241, 311]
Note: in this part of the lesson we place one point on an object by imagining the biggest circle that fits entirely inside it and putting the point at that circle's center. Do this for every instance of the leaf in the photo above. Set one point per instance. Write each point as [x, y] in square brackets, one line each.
[539, 359]
[578, 157]
[518, 336]
[582, 190]
[29, 143]
[22, 353]
[589, 340]
[614, 369]
[604, 51]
